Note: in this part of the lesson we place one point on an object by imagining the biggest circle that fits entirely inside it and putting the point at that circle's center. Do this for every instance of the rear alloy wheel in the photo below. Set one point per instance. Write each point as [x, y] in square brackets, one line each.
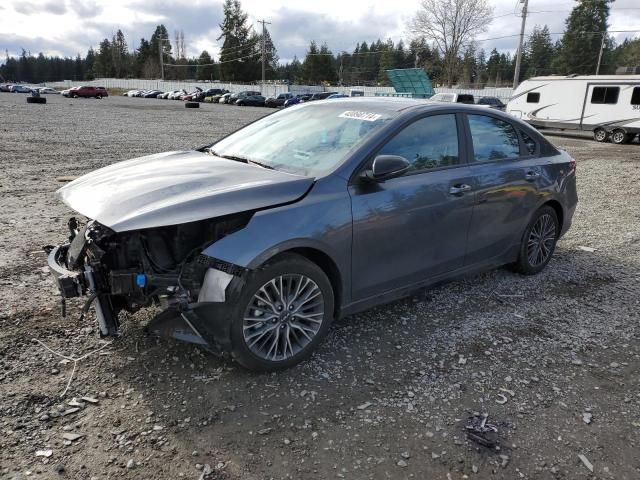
[283, 313]
[619, 137]
[538, 242]
[600, 135]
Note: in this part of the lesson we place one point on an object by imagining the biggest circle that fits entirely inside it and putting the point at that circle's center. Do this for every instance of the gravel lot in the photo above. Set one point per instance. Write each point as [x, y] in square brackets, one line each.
[552, 359]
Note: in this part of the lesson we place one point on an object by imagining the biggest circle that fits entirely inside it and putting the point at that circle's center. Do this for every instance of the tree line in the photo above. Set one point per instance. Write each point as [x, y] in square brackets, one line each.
[447, 58]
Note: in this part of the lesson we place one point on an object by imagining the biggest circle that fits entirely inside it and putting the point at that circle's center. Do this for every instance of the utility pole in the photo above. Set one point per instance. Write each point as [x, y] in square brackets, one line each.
[516, 76]
[604, 36]
[161, 41]
[264, 48]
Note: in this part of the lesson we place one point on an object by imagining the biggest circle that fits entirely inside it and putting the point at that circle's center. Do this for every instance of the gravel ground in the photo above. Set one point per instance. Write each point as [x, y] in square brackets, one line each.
[552, 359]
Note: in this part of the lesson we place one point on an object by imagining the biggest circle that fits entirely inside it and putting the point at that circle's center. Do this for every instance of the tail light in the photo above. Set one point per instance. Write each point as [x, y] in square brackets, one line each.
[572, 164]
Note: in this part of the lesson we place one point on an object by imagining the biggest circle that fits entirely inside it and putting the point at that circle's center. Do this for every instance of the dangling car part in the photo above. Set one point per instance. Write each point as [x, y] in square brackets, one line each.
[254, 244]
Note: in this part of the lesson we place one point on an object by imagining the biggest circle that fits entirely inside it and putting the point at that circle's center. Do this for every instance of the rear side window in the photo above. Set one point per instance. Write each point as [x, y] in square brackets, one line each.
[428, 143]
[533, 97]
[608, 95]
[464, 98]
[493, 139]
[635, 96]
[530, 144]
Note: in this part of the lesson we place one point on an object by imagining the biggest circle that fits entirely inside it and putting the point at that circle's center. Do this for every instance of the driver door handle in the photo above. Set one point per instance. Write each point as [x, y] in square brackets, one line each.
[531, 175]
[459, 189]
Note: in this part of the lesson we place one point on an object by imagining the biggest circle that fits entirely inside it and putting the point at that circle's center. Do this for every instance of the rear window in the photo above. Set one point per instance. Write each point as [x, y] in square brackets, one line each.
[635, 96]
[533, 97]
[605, 95]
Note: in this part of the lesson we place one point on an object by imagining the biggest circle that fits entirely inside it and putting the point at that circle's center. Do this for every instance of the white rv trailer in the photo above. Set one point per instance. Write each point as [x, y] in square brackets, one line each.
[607, 105]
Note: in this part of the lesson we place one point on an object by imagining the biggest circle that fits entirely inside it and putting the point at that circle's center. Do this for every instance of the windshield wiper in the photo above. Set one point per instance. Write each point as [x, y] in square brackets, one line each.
[263, 165]
[240, 158]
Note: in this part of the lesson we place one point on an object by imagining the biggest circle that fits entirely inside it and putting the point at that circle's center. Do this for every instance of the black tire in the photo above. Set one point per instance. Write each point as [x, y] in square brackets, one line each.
[36, 100]
[287, 264]
[619, 137]
[524, 264]
[191, 105]
[600, 135]
[74, 96]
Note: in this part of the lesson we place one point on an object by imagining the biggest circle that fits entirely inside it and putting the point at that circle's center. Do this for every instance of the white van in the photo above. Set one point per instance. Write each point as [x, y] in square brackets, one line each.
[607, 105]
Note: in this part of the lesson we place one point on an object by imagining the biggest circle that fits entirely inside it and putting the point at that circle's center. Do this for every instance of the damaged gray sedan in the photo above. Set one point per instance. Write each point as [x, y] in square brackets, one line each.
[254, 244]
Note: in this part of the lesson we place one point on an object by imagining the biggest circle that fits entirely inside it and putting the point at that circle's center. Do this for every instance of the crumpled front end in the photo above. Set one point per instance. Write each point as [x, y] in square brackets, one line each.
[162, 266]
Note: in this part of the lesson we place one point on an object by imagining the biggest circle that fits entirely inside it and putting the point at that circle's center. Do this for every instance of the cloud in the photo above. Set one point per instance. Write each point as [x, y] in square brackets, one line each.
[54, 7]
[86, 9]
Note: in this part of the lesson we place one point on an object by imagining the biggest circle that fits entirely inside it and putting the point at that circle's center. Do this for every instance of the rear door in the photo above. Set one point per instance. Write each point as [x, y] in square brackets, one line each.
[413, 227]
[507, 182]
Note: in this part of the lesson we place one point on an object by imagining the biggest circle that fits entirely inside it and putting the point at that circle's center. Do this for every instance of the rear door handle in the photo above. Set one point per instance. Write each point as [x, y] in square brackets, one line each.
[531, 175]
[459, 189]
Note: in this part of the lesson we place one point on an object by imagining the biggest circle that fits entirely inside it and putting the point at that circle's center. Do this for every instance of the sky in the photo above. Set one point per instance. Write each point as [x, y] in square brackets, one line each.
[69, 27]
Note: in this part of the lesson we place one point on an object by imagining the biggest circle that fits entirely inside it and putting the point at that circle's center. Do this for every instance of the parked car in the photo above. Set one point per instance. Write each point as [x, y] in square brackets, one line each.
[176, 95]
[48, 91]
[251, 100]
[152, 94]
[321, 96]
[200, 96]
[225, 98]
[337, 95]
[88, 92]
[453, 98]
[255, 243]
[297, 99]
[236, 96]
[492, 102]
[65, 92]
[19, 89]
[216, 98]
[5, 87]
[278, 101]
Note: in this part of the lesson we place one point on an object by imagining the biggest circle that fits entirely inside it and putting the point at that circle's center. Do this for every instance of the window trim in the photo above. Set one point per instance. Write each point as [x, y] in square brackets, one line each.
[462, 145]
[471, 154]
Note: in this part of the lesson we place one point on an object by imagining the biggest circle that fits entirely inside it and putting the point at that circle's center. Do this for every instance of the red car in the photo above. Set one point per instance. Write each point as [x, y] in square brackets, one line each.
[97, 92]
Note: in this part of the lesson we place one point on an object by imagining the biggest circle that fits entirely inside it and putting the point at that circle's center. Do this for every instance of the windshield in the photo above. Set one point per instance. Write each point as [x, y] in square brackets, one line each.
[307, 140]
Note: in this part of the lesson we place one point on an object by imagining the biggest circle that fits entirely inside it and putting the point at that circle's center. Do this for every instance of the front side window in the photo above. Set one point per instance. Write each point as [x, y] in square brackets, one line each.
[608, 95]
[635, 96]
[493, 139]
[428, 143]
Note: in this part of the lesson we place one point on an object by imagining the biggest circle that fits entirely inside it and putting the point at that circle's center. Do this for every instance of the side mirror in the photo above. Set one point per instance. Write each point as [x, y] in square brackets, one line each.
[386, 167]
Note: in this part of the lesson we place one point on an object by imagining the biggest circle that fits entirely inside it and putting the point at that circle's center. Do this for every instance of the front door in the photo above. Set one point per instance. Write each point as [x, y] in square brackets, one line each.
[413, 227]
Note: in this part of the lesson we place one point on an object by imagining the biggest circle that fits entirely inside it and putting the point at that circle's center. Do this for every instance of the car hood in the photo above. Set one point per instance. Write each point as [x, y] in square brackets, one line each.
[178, 187]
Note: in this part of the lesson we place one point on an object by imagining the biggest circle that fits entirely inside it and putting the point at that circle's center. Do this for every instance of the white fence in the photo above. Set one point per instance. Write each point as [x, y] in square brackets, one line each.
[268, 89]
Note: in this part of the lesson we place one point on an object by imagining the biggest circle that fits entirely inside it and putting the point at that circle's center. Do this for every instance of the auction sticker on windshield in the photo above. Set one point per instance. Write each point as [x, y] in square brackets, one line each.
[366, 116]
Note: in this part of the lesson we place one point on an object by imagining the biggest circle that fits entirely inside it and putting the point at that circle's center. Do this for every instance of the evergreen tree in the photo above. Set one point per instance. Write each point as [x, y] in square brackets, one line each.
[119, 55]
[539, 52]
[205, 72]
[238, 56]
[582, 37]
[104, 60]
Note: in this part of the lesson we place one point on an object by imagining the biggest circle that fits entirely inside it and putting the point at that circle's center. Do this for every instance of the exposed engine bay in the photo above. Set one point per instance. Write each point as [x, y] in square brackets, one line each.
[126, 271]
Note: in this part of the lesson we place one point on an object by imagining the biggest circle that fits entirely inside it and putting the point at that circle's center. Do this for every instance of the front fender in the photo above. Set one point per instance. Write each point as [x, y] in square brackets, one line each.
[321, 221]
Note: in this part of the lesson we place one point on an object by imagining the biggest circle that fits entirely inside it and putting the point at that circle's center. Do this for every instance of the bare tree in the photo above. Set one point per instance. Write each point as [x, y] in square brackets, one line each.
[452, 25]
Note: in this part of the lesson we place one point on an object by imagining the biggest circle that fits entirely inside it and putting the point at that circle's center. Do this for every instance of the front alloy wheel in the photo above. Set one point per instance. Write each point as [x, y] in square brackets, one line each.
[281, 314]
[284, 316]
